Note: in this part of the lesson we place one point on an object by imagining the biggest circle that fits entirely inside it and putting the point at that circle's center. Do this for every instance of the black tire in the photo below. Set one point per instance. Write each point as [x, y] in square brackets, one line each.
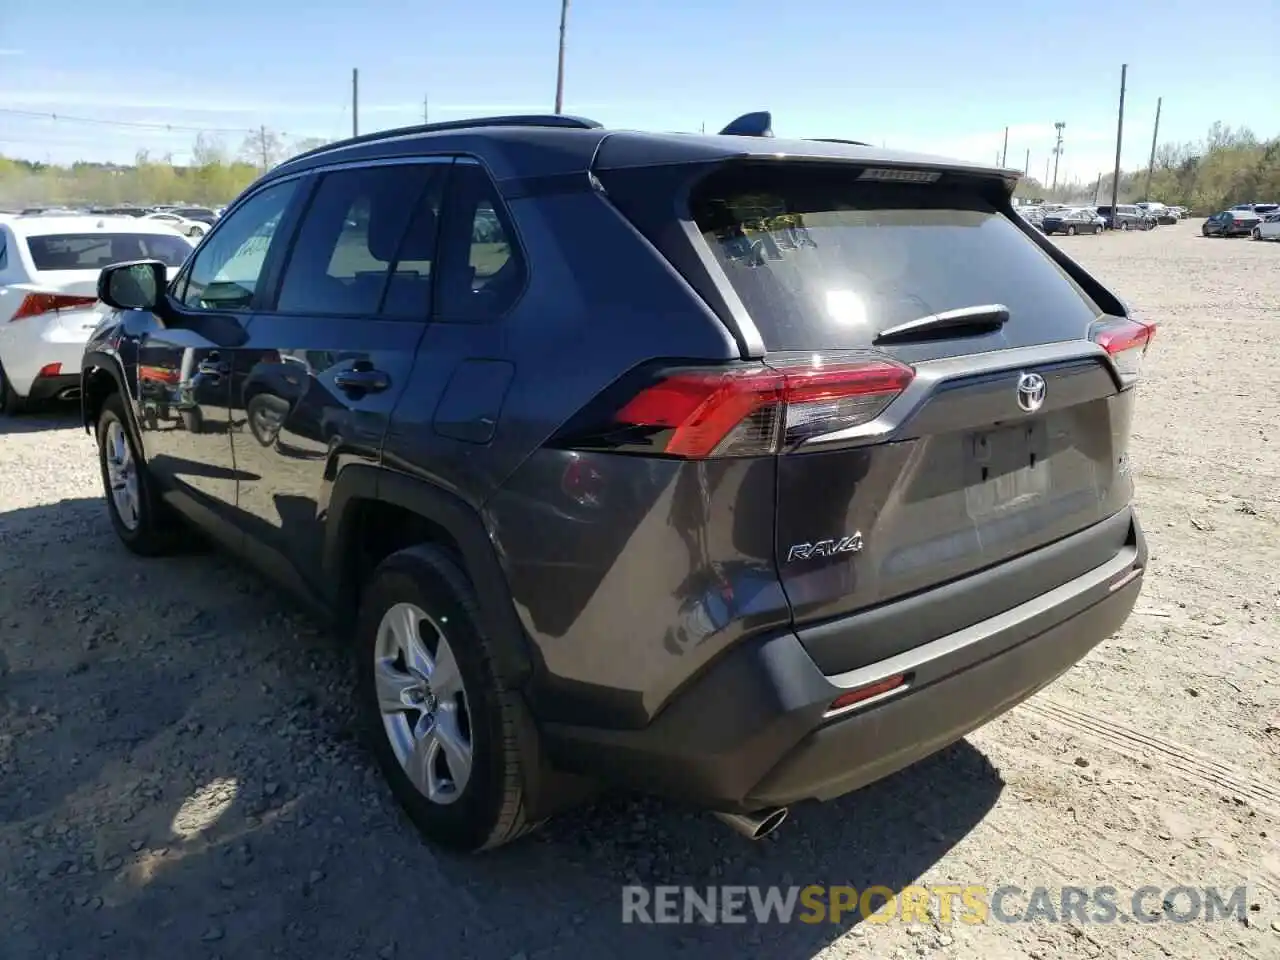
[10, 402]
[1256, 235]
[158, 530]
[1124, 226]
[1071, 231]
[490, 810]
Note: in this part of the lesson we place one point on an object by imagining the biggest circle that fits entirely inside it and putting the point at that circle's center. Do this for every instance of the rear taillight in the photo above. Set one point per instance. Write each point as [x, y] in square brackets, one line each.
[35, 304]
[1127, 342]
[745, 411]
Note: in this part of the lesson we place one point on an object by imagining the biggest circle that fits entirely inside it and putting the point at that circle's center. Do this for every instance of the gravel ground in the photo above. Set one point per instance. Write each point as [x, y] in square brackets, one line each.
[177, 775]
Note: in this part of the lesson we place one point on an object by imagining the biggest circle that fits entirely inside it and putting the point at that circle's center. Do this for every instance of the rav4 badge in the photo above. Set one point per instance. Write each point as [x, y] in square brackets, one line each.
[825, 548]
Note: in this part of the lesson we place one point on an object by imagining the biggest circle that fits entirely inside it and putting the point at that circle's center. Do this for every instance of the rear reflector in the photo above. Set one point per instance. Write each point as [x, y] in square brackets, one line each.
[50, 370]
[755, 411]
[1127, 342]
[35, 304]
[869, 692]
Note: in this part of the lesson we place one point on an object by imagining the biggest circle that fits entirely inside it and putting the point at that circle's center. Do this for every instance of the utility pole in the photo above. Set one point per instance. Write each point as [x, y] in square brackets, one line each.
[1046, 170]
[1096, 187]
[564, 18]
[1005, 152]
[1057, 152]
[355, 102]
[424, 109]
[262, 143]
[1026, 164]
[1155, 133]
[1115, 183]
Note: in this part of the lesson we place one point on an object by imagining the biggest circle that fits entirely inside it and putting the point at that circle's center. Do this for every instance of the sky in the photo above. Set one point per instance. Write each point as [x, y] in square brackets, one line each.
[932, 76]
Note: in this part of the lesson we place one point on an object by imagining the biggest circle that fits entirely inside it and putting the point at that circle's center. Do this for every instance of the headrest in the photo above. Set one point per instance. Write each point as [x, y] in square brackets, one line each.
[386, 221]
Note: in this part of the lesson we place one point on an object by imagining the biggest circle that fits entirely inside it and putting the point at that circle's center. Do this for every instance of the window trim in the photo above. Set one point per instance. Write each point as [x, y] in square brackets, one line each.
[176, 291]
[271, 292]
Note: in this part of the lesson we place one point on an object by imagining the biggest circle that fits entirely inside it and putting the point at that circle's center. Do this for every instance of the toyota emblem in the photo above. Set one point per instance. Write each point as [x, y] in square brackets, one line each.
[1031, 392]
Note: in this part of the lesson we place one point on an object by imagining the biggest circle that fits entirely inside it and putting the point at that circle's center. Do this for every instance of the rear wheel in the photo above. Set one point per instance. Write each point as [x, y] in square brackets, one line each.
[1124, 225]
[1071, 231]
[141, 520]
[444, 726]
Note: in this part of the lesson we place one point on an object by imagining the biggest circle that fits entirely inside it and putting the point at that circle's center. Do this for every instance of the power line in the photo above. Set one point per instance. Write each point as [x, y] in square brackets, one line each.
[135, 124]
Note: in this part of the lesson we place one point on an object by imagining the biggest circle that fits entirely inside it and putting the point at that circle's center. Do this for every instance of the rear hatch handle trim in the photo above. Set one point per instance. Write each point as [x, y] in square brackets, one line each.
[930, 374]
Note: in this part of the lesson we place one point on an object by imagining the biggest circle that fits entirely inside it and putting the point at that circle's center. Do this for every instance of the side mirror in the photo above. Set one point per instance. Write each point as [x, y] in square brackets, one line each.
[137, 285]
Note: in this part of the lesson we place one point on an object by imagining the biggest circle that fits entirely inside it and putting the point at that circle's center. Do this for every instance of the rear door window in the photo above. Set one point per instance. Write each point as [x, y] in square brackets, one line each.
[355, 236]
[93, 251]
[821, 260]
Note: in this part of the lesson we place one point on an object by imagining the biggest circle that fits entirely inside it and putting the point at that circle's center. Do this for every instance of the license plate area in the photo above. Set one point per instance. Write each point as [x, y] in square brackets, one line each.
[1007, 469]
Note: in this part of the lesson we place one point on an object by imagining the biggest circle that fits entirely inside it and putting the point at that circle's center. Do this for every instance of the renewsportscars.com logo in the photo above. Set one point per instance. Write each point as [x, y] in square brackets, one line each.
[947, 903]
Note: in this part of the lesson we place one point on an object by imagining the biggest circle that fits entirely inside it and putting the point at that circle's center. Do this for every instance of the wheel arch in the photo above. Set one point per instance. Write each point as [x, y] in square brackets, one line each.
[101, 375]
[374, 511]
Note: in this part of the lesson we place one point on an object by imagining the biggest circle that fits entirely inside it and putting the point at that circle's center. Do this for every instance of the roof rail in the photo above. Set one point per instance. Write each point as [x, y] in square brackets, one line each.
[519, 120]
[854, 143]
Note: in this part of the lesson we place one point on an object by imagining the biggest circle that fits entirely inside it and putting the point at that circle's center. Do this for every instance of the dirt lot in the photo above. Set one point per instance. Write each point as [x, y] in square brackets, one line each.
[177, 776]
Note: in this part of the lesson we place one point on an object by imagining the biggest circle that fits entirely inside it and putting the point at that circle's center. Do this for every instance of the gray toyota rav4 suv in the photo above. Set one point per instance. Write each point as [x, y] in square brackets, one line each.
[739, 470]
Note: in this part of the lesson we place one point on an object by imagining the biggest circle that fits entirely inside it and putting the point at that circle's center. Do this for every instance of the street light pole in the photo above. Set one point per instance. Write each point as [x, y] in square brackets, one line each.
[564, 18]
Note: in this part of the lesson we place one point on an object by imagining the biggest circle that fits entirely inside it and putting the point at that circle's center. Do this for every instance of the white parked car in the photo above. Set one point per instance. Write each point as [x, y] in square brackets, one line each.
[188, 228]
[1268, 229]
[49, 270]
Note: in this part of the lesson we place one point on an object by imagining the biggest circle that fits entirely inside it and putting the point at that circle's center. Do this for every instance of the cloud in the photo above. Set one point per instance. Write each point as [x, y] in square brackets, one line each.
[10, 52]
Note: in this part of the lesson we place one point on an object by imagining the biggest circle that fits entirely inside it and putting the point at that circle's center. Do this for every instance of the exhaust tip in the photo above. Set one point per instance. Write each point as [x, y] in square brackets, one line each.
[754, 826]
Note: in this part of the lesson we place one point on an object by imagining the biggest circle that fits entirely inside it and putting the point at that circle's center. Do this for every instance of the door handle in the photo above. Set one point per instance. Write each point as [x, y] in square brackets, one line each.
[365, 381]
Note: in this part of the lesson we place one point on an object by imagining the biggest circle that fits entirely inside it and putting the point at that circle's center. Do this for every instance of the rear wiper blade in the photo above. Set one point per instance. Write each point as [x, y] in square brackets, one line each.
[985, 318]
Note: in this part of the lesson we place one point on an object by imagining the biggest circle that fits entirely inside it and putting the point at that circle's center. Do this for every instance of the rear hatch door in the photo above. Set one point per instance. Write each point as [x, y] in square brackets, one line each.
[1009, 437]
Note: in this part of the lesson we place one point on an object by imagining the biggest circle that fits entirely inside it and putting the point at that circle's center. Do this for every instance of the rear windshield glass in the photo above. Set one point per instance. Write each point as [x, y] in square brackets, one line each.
[93, 251]
[821, 260]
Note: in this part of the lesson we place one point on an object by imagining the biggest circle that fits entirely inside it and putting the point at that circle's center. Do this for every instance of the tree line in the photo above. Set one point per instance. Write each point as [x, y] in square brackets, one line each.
[214, 176]
[1226, 167]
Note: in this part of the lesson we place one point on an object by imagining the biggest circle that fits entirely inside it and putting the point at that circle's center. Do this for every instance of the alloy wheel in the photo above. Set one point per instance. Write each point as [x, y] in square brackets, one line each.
[423, 702]
[122, 475]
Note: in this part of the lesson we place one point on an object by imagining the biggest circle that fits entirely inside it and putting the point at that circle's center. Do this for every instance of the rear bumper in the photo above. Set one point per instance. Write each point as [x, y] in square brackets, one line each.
[61, 387]
[750, 732]
[27, 358]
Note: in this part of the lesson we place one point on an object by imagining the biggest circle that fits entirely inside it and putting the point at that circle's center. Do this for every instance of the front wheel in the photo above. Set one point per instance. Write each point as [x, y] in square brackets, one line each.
[1071, 231]
[1257, 234]
[1125, 226]
[445, 727]
[141, 520]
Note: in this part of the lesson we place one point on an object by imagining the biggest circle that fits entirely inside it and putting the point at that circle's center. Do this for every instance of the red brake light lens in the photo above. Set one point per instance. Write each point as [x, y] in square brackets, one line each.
[1127, 342]
[35, 304]
[762, 410]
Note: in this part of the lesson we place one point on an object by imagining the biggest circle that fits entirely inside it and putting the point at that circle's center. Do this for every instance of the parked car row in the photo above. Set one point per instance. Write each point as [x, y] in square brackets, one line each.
[1260, 221]
[1070, 219]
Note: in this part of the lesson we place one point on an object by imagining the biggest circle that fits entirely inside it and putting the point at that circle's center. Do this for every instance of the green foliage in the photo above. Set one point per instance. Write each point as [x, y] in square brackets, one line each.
[1226, 167]
[212, 177]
